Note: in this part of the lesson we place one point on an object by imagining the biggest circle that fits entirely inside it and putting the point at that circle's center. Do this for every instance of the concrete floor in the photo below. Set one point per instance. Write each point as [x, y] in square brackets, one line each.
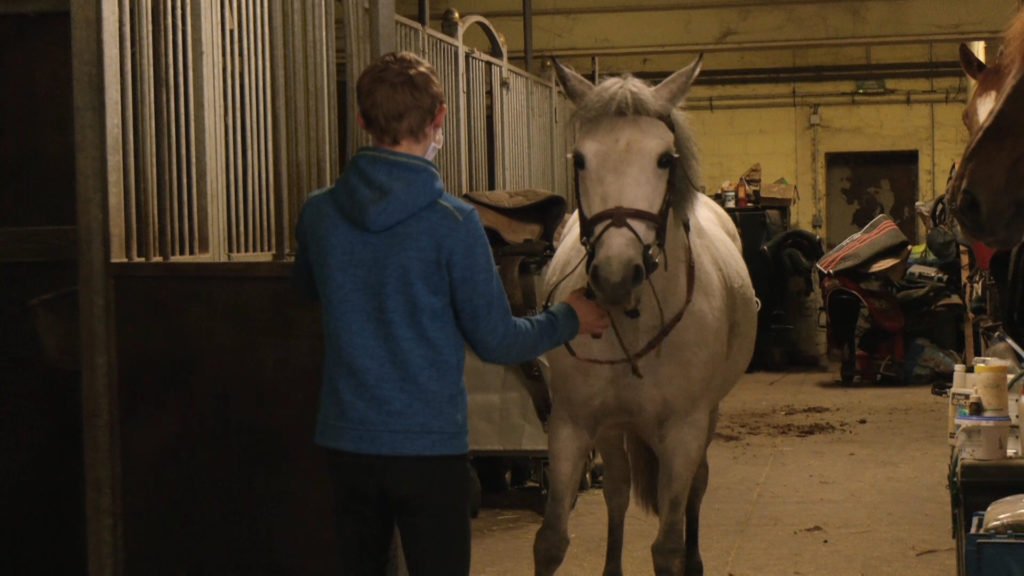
[807, 478]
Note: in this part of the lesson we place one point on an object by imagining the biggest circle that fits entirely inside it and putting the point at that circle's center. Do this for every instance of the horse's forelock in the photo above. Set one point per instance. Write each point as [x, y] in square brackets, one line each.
[620, 96]
[629, 96]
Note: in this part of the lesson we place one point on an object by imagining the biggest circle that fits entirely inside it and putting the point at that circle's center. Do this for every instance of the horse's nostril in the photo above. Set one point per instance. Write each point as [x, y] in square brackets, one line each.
[638, 275]
[595, 275]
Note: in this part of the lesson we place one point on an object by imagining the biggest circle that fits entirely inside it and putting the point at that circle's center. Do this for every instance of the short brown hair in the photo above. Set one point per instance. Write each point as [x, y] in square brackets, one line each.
[398, 95]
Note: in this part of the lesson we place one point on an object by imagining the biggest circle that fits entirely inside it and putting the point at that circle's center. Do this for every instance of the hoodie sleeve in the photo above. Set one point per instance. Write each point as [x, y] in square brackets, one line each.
[482, 310]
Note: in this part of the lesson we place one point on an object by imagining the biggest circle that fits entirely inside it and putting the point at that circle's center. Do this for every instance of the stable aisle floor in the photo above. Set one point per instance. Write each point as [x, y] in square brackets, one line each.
[807, 478]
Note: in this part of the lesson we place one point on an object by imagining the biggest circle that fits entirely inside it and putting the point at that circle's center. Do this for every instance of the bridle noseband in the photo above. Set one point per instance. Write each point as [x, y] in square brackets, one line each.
[619, 217]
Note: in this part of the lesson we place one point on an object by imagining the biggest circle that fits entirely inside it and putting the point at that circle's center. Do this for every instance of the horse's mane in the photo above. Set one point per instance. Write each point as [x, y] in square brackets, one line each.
[1011, 56]
[629, 96]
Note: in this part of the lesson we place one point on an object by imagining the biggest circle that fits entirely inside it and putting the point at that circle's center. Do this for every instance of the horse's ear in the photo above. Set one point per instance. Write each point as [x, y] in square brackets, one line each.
[576, 87]
[673, 89]
[972, 65]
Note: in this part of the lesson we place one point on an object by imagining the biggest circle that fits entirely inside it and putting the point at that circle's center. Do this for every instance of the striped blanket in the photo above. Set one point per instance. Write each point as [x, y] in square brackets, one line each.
[879, 239]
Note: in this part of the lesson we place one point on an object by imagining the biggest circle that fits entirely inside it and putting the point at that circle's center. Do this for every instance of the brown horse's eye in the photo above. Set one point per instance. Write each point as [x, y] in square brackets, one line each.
[665, 160]
[578, 161]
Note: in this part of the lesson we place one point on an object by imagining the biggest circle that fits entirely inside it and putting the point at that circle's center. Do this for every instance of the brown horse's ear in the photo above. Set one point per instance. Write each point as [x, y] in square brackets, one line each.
[672, 90]
[576, 87]
[972, 65]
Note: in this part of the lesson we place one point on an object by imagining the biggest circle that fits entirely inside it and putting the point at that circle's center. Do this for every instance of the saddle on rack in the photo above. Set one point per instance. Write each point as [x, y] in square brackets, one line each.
[518, 216]
[520, 226]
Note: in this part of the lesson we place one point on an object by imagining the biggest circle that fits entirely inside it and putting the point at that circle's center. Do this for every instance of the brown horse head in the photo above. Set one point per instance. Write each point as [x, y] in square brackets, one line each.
[987, 192]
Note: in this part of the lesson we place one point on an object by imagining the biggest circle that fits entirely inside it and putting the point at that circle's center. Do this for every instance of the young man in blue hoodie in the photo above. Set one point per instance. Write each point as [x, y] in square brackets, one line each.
[406, 279]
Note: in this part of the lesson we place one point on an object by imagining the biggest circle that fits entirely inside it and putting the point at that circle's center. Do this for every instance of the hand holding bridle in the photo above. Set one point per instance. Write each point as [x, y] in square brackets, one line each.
[593, 319]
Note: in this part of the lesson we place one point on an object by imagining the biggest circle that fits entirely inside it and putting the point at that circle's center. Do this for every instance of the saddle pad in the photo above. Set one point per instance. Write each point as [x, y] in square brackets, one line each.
[880, 237]
[519, 215]
[508, 229]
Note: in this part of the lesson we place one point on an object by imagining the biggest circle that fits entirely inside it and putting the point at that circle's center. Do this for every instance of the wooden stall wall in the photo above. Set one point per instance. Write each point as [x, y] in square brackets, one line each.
[218, 379]
[41, 486]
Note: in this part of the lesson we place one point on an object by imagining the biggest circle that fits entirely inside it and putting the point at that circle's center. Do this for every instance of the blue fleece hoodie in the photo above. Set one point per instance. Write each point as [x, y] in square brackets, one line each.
[405, 278]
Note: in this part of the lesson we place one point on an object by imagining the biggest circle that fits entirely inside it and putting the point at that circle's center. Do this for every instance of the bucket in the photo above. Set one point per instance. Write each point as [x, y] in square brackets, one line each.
[983, 437]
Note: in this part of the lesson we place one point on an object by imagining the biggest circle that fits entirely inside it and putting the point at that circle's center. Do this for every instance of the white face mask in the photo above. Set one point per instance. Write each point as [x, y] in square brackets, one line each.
[436, 145]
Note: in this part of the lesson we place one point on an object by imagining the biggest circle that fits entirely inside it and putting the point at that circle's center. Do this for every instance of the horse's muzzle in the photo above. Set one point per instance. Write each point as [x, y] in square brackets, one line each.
[617, 289]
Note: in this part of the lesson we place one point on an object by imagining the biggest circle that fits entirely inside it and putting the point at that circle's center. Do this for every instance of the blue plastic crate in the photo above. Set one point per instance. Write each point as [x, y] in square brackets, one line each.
[993, 554]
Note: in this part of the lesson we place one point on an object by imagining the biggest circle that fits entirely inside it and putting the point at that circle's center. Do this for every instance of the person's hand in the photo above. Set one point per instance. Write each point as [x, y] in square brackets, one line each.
[593, 318]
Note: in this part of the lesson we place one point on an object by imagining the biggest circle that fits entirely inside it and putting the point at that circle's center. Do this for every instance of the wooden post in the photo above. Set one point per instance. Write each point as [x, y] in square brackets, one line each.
[382, 28]
[97, 113]
[965, 271]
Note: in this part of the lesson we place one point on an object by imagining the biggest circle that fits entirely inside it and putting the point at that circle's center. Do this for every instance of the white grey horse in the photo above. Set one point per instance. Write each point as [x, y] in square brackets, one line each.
[665, 260]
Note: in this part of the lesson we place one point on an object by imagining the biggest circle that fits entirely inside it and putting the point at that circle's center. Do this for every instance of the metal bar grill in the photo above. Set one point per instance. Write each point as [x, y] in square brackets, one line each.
[202, 140]
[480, 123]
[229, 121]
[518, 97]
[443, 54]
[542, 125]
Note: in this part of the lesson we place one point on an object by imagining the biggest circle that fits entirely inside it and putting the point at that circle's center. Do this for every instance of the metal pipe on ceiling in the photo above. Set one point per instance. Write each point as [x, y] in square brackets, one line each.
[694, 48]
[838, 73]
[659, 7]
[765, 101]
[423, 12]
[528, 34]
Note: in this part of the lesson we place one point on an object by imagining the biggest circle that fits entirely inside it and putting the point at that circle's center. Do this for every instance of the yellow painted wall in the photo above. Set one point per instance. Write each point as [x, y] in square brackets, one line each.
[782, 140]
[739, 125]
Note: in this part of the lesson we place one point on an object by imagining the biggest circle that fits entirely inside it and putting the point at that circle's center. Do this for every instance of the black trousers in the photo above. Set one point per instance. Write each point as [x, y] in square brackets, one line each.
[426, 497]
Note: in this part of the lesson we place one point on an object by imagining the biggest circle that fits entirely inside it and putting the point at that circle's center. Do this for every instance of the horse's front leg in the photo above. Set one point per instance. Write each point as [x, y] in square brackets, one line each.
[680, 454]
[568, 445]
[615, 485]
[694, 564]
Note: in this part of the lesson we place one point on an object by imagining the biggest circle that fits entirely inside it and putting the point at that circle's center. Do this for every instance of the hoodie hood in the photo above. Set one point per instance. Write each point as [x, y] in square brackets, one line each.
[381, 188]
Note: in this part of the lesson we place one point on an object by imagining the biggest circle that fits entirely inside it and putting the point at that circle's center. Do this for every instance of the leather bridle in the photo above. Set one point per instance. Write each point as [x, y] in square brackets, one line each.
[619, 217]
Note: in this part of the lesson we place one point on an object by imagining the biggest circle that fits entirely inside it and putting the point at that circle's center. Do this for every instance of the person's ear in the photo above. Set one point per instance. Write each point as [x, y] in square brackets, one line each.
[360, 121]
[442, 112]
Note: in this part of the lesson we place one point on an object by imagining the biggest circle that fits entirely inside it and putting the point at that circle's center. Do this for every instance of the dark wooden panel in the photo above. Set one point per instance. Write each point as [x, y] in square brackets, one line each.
[218, 384]
[39, 244]
[42, 523]
[37, 171]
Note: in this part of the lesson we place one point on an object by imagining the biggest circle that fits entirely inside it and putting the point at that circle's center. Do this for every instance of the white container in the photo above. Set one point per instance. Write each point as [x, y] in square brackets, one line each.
[983, 437]
[990, 381]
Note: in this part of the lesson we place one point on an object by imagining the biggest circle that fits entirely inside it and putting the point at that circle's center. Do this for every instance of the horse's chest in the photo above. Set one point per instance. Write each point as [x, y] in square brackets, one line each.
[615, 396]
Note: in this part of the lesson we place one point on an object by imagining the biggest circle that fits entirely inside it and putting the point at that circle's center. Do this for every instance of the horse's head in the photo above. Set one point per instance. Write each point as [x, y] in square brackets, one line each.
[635, 164]
[987, 192]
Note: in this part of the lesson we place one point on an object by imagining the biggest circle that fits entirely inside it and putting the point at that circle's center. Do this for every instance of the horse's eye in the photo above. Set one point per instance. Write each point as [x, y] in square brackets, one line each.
[665, 160]
[578, 161]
